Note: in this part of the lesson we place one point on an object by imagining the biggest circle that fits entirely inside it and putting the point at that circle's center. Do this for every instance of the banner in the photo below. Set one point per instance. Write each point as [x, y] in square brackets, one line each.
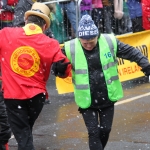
[64, 85]
[127, 70]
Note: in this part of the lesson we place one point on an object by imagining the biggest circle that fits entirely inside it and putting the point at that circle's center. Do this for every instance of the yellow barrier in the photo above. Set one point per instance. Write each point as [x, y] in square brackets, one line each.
[127, 70]
[141, 40]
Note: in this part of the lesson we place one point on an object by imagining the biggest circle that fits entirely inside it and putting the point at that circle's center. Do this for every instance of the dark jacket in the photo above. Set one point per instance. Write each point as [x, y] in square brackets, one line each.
[20, 9]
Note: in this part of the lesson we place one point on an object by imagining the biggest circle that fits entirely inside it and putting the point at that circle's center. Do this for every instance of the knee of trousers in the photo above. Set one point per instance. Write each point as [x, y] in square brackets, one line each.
[94, 132]
[105, 130]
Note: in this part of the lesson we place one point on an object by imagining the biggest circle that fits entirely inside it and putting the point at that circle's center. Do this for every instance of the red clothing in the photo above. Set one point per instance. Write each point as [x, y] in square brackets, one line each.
[146, 14]
[97, 4]
[6, 16]
[8, 7]
[26, 58]
[6, 146]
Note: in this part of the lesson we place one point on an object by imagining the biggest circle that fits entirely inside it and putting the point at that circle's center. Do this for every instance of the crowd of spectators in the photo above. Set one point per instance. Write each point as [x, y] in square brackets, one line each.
[110, 16]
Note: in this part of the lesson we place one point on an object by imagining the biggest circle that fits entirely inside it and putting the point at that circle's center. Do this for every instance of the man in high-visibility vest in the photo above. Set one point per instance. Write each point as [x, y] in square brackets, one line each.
[95, 77]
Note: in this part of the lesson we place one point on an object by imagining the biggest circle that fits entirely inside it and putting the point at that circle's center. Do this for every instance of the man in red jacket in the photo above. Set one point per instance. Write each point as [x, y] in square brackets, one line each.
[26, 58]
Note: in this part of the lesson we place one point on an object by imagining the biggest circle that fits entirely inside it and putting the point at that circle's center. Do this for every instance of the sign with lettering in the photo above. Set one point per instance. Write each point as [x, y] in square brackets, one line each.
[130, 70]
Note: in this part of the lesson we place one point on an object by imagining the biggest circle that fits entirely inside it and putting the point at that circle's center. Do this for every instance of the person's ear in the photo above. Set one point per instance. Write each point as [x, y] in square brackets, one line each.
[25, 20]
[44, 27]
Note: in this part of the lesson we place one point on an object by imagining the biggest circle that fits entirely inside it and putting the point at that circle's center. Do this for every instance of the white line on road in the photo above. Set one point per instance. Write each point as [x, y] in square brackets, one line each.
[121, 102]
[132, 99]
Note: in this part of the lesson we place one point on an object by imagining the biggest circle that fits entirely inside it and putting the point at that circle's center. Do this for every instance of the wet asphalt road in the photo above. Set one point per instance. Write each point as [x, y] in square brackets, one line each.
[60, 126]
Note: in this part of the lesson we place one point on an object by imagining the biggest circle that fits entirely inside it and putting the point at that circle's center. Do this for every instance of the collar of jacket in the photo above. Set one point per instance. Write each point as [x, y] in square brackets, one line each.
[31, 29]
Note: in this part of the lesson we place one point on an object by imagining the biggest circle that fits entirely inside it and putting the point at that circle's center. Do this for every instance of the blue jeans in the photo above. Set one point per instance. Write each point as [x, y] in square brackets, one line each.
[70, 9]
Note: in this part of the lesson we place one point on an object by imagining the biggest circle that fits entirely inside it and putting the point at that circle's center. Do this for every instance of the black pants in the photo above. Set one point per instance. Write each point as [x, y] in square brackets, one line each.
[137, 24]
[98, 123]
[21, 116]
[5, 132]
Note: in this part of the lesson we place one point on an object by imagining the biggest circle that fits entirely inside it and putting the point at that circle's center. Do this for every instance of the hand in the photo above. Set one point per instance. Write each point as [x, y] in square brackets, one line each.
[49, 33]
[146, 70]
[61, 66]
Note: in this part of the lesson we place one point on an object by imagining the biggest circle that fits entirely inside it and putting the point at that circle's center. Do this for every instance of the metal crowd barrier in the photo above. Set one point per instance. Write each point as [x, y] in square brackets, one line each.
[77, 5]
[67, 29]
[67, 32]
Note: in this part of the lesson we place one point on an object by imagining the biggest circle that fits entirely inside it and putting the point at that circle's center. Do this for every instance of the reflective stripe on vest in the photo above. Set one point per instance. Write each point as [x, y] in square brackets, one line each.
[107, 43]
[77, 71]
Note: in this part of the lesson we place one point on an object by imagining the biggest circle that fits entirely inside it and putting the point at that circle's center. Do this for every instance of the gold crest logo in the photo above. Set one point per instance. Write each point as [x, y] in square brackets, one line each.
[25, 61]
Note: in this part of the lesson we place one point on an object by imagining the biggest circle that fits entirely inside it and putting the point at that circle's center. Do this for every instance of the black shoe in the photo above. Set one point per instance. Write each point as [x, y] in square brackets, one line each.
[47, 101]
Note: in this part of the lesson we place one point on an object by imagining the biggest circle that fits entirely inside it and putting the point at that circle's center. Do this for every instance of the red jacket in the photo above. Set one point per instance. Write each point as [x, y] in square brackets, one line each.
[146, 14]
[27, 55]
[8, 9]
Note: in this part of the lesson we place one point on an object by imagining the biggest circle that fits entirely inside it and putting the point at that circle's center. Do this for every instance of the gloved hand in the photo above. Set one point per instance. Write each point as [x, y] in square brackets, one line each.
[59, 68]
[49, 33]
[146, 70]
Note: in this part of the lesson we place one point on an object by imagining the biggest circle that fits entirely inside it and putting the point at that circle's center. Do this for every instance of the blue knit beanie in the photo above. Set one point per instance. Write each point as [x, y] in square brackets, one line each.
[87, 29]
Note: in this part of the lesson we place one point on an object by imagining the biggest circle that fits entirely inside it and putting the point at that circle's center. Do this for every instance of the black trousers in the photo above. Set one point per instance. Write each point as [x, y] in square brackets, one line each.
[98, 123]
[21, 116]
[137, 24]
[5, 132]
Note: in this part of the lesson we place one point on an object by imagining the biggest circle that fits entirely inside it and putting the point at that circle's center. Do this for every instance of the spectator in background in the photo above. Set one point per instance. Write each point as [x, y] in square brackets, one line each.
[7, 14]
[20, 9]
[135, 12]
[85, 7]
[146, 14]
[125, 24]
[98, 14]
[69, 7]
[108, 16]
[118, 15]
[118, 9]
[57, 25]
